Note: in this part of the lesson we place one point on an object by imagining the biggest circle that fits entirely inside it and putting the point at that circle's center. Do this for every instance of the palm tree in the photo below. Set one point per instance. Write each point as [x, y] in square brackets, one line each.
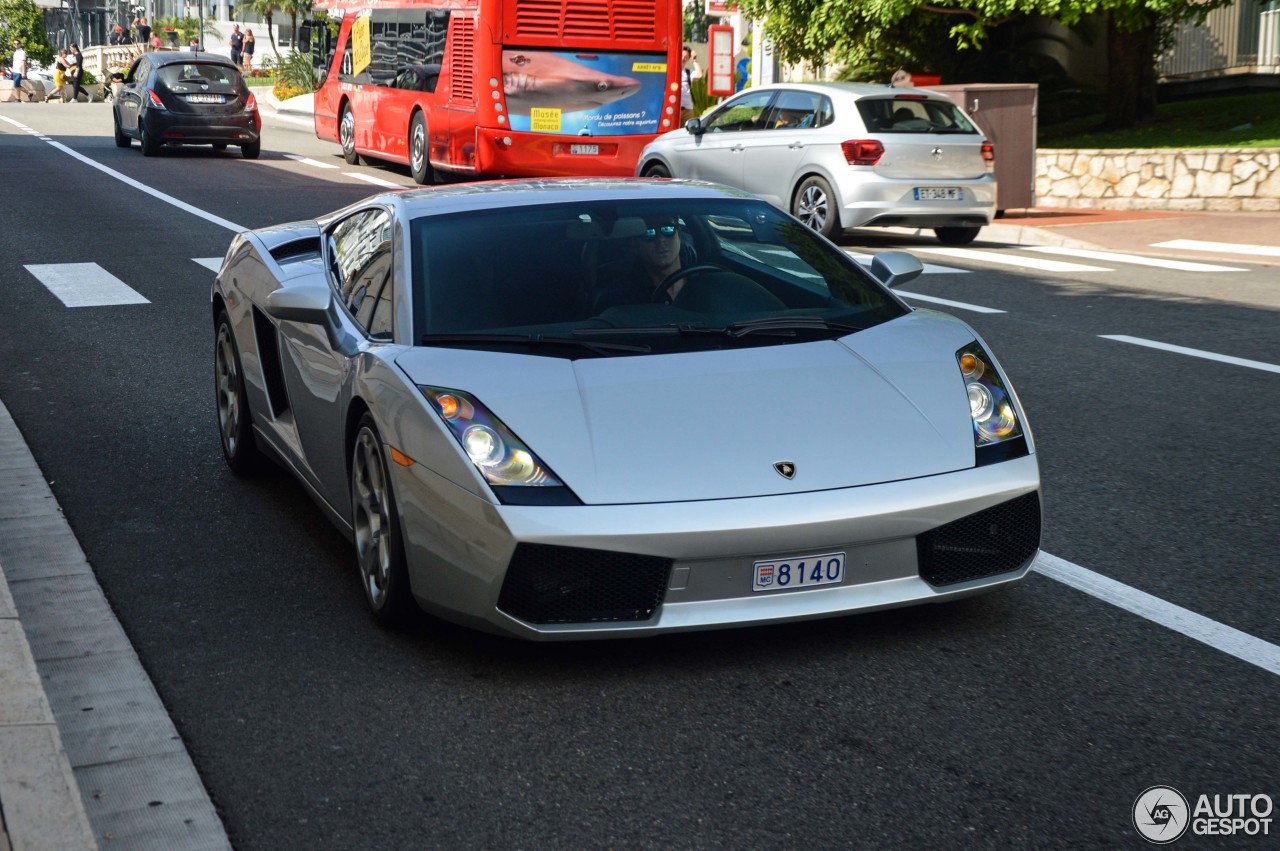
[294, 9]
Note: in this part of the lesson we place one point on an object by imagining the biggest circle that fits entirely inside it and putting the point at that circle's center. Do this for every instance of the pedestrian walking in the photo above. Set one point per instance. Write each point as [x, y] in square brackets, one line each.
[690, 70]
[60, 75]
[75, 72]
[249, 43]
[237, 45]
[18, 68]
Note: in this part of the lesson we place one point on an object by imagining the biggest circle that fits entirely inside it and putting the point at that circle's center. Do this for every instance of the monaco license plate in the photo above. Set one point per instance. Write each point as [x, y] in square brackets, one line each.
[587, 150]
[939, 193]
[206, 98]
[798, 572]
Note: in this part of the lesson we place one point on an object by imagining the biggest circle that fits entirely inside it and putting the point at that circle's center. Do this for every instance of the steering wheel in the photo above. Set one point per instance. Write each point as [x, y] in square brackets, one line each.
[696, 269]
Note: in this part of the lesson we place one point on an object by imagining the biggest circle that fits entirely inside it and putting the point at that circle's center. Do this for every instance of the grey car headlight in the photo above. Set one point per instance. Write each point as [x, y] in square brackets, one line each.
[498, 454]
[990, 404]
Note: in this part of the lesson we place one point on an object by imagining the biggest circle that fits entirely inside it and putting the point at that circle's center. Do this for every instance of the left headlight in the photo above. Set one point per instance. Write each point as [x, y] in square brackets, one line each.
[990, 403]
[498, 454]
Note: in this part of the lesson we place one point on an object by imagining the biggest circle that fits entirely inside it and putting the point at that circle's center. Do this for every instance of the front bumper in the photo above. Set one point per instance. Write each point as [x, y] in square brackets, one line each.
[459, 548]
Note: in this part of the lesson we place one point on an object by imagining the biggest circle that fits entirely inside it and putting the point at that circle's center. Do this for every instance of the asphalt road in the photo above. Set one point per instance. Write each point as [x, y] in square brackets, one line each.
[1033, 716]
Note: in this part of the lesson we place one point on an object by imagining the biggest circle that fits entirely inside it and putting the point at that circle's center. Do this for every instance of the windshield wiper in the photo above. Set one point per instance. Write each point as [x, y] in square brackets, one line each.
[532, 340]
[785, 325]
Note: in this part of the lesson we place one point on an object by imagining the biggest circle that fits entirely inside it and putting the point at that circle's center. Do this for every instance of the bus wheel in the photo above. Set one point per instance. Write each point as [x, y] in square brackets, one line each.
[419, 164]
[347, 136]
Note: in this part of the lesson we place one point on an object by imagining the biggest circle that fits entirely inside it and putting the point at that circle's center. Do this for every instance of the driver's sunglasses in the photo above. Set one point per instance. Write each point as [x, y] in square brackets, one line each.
[651, 234]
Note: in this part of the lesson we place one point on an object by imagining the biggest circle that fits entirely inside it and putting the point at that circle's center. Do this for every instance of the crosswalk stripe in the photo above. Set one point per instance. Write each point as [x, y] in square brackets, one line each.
[1011, 260]
[1195, 353]
[929, 268]
[212, 263]
[958, 305]
[368, 178]
[1223, 247]
[1137, 260]
[84, 284]
[310, 162]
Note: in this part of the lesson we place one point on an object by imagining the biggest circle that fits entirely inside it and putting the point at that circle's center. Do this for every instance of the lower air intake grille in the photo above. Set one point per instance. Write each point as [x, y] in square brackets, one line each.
[549, 584]
[994, 541]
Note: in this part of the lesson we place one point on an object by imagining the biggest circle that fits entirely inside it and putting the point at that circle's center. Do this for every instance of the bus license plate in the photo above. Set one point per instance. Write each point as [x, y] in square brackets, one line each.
[588, 150]
[798, 572]
[948, 193]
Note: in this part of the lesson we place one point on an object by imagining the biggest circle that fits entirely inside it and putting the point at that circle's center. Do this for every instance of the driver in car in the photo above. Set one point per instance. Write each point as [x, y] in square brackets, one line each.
[658, 252]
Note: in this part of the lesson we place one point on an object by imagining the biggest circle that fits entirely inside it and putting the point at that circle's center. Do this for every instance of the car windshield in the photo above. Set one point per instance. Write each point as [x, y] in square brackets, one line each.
[196, 76]
[624, 278]
[913, 115]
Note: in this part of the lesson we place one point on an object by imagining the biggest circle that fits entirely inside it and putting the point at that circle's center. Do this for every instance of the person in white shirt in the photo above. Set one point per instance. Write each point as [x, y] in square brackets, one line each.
[690, 70]
[18, 68]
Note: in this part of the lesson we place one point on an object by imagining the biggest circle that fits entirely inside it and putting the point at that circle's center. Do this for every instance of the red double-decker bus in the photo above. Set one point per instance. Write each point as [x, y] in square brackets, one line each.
[498, 87]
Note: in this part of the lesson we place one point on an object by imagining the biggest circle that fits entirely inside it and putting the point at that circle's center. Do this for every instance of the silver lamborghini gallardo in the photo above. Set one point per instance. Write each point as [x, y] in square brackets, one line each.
[589, 408]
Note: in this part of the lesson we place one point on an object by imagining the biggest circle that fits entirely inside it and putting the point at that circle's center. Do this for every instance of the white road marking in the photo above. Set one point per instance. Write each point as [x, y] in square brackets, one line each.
[1195, 353]
[929, 268]
[959, 305]
[1114, 257]
[368, 178]
[1219, 636]
[1224, 247]
[84, 284]
[168, 199]
[211, 263]
[310, 162]
[1011, 260]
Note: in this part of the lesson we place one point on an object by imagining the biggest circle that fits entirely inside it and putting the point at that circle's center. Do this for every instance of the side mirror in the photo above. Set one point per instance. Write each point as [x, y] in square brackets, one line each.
[694, 126]
[306, 304]
[895, 267]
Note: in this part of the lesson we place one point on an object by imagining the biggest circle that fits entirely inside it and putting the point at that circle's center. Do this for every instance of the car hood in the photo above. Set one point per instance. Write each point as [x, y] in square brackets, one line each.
[880, 405]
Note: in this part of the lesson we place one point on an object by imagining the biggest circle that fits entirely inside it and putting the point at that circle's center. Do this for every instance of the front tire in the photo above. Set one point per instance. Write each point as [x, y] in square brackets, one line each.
[384, 573]
[250, 150]
[815, 205]
[347, 135]
[122, 141]
[956, 235]
[419, 162]
[657, 171]
[234, 421]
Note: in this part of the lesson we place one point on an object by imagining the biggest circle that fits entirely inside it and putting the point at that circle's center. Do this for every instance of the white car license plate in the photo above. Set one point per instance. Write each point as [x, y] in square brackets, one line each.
[206, 98]
[947, 193]
[798, 572]
[589, 150]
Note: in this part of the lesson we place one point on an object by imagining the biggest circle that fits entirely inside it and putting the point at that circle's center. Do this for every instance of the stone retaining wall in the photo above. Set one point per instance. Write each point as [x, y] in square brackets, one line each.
[1212, 179]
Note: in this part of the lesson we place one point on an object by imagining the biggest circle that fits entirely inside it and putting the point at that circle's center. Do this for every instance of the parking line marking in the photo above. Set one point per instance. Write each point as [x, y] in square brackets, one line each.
[1195, 353]
[84, 284]
[1225, 247]
[214, 264]
[1011, 260]
[369, 178]
[929, 268]
[1219, 636]
[959, 305]
[308, 161]
[1138, 260]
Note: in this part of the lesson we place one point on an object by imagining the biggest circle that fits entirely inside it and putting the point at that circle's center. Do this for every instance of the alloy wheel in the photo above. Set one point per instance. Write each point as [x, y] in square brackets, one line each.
[228, 379]
[811, 208]
[371, 517]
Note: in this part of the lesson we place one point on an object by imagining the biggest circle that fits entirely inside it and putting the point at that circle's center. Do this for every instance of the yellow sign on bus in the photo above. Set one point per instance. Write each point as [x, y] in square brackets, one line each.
[360, 46]
[544, 120]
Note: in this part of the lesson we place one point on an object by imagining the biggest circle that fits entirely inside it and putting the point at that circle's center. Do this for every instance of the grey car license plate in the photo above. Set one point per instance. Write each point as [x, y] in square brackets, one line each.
[588, 150]
[783, 574]
[939, 193]
[207, 98]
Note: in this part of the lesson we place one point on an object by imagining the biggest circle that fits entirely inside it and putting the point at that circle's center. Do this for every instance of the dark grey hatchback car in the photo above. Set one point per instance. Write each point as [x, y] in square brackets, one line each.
[186, 98]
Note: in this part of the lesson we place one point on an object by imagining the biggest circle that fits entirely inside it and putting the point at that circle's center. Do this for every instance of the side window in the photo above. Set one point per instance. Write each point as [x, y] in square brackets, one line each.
[360, 260]
[137, 73]
[405, 45]
[795, 110]
[744, 113]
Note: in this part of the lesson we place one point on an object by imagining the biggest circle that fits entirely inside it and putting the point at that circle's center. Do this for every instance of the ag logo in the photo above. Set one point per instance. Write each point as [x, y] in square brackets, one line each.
[1161, 815]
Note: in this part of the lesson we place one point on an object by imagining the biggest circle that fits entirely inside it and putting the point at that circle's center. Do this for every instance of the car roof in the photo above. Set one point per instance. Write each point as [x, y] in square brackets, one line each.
[498, 194]
[854, 90]
[187, 57]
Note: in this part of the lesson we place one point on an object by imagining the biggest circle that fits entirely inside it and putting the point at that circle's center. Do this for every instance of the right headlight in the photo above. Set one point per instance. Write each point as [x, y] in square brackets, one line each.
[995, 421]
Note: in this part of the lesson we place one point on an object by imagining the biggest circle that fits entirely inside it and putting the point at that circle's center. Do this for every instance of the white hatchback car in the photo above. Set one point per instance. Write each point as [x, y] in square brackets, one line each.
[842, 155]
